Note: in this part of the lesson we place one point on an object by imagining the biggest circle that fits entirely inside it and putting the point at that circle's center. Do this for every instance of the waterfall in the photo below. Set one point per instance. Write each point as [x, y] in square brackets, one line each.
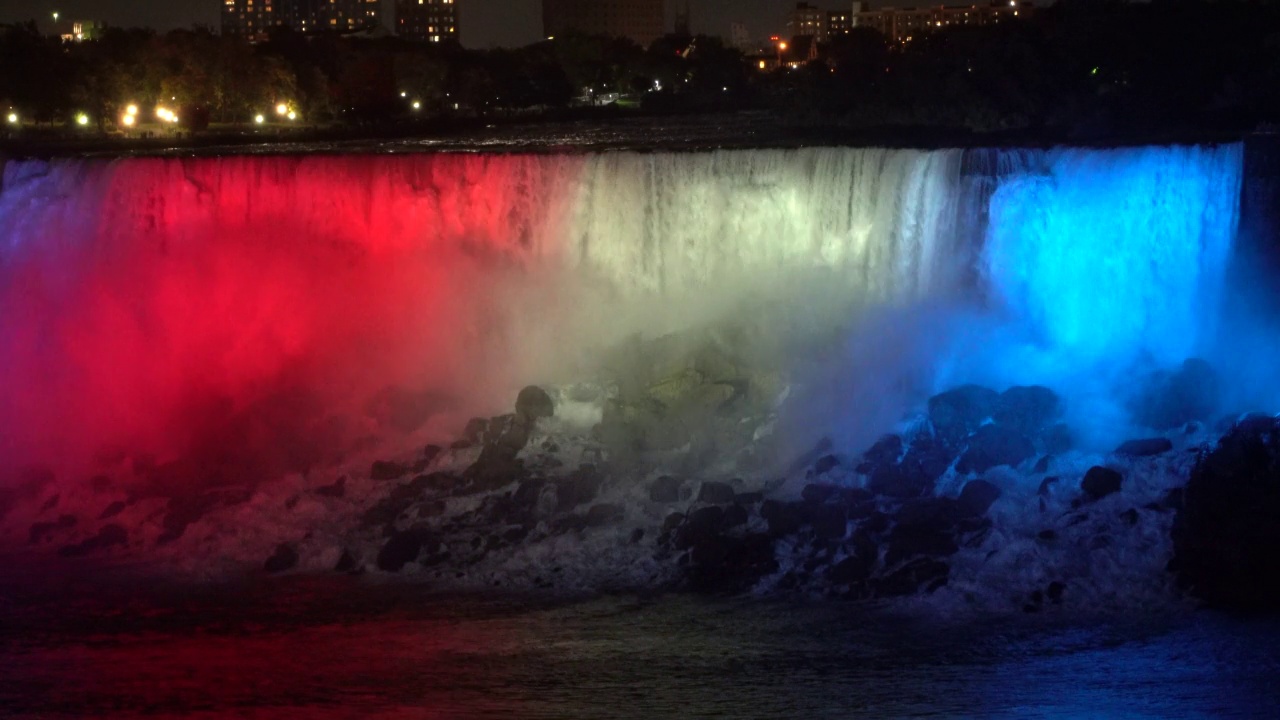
[143, 299]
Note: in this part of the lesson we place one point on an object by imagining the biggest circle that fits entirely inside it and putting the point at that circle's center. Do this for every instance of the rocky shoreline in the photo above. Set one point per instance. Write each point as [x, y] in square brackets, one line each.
[651, 482]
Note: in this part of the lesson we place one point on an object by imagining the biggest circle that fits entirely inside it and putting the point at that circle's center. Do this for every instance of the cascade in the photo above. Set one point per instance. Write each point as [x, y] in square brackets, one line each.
[153, 302]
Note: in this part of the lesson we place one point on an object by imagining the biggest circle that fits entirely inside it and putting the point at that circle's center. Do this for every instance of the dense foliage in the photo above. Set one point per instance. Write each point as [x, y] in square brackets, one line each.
[1080, 68]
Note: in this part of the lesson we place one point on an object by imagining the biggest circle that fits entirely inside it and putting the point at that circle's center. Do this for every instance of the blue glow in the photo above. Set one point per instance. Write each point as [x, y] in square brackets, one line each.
[1108, 256]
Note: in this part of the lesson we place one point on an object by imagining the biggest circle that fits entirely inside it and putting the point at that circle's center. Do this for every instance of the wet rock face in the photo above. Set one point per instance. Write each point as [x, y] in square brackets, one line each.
[1227, 531]
[1146, 447]
[1100, 482]
[1169, 400]
[957, 413]
[994, 445]
[533, 402]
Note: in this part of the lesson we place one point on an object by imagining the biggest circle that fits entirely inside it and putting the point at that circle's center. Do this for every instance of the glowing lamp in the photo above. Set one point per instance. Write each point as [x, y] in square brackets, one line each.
[13, 118]
[417, 105]
[782, 46]
[128, 120]
[82, 119]
[259, 118]
[763, 64]
[292, 115]
[131, 111]
[282, 109]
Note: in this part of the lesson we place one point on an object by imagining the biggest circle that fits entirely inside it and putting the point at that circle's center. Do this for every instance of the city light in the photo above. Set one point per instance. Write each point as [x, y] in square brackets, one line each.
[132, 110]
[13, 118]
[166, 114]
[292, 115]
[404, 94]
[82, 119]
[128, 120]
[282, 109]
[259, 118]
[782, 46]
[763, 64]
[417, 105]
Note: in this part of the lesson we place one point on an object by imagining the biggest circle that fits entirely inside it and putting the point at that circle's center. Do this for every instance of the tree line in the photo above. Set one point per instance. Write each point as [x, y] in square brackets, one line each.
[1082, 68]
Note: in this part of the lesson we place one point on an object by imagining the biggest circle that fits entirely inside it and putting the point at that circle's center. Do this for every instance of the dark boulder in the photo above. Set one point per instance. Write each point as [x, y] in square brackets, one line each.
[337, 490]
[915, 476]
[818, 493]
[284, 558]
[533, 402]
[994, 445]
[734, 516]
[699, 525]
[909, 542]
[977, 496]
[886, 451]
[784, 518]
[957, 413]
[665, 489]
[1169, 400]
[384, 470]
[922, 575]
[579, 487]
[716, 493]
[937, 513]
[825, 464]
[1147, 447]
[400, 549]
[1028, 410]
[1058, 439]
[721, 564]
[347, 563]
[604, 514]
[1228, 527]
[829, 522]
[1100, 482]
[112, 510]
[852, 569]
[109, 536]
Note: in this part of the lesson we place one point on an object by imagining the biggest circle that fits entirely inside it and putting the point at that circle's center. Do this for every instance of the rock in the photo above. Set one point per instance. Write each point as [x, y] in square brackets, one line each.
[936, 513]
[994, 445]
[852, 569]
[430, 453]
[383, 470]
[347, 563]
[665, 489]
[925, 461]
[401, 548]
[533, 402]
[734, 516]
[1167, 401]
[337, 490]
[1046, 486]
[717, 493]
[818, 493]
[701, 524]
[1147, 447]
[44, 531]
[285, 558]
[1028, 410]
[924, 574]
[748, 499]
[604, 514]
[957, 413]
[1042, 465]
[723, 564]
[1055, 591]
[1048, 535]
[1228, 528]
[829, 522]
[886, 451]
[109, 536]
[1057, 439]
[1100, 482]
[783, 518]
[1129, 517]
[908, 542]
[977, 497]
[825, 464]
[112, 510]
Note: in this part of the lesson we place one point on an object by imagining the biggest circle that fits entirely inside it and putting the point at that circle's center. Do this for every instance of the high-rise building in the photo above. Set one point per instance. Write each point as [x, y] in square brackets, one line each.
[808, 21]
[427, 20]
[640, 20]
[839, 22]
[253, 19]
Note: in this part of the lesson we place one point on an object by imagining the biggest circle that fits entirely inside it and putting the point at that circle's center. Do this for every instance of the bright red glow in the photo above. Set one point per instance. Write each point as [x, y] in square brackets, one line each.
[218, 309]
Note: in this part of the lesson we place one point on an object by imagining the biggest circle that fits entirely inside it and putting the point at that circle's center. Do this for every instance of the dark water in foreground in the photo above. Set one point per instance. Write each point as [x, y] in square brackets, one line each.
[351, 648]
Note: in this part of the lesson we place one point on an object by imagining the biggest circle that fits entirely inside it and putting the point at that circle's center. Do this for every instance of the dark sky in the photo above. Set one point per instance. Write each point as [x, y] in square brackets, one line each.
[484, 22]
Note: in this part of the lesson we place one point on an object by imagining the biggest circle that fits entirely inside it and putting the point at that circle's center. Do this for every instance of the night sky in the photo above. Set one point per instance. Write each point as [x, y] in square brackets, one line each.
[484, 22]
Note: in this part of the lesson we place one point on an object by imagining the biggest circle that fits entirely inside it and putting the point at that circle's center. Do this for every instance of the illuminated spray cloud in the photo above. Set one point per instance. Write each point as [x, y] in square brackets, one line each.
[179, 306]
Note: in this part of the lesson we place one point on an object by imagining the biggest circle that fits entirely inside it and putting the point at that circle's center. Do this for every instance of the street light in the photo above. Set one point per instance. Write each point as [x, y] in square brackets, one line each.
[417, 105]
[128, 120]
[82, 119]
[292, 115]
[13, 118]
[259, 118]
[132, 110]
[282, 109]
